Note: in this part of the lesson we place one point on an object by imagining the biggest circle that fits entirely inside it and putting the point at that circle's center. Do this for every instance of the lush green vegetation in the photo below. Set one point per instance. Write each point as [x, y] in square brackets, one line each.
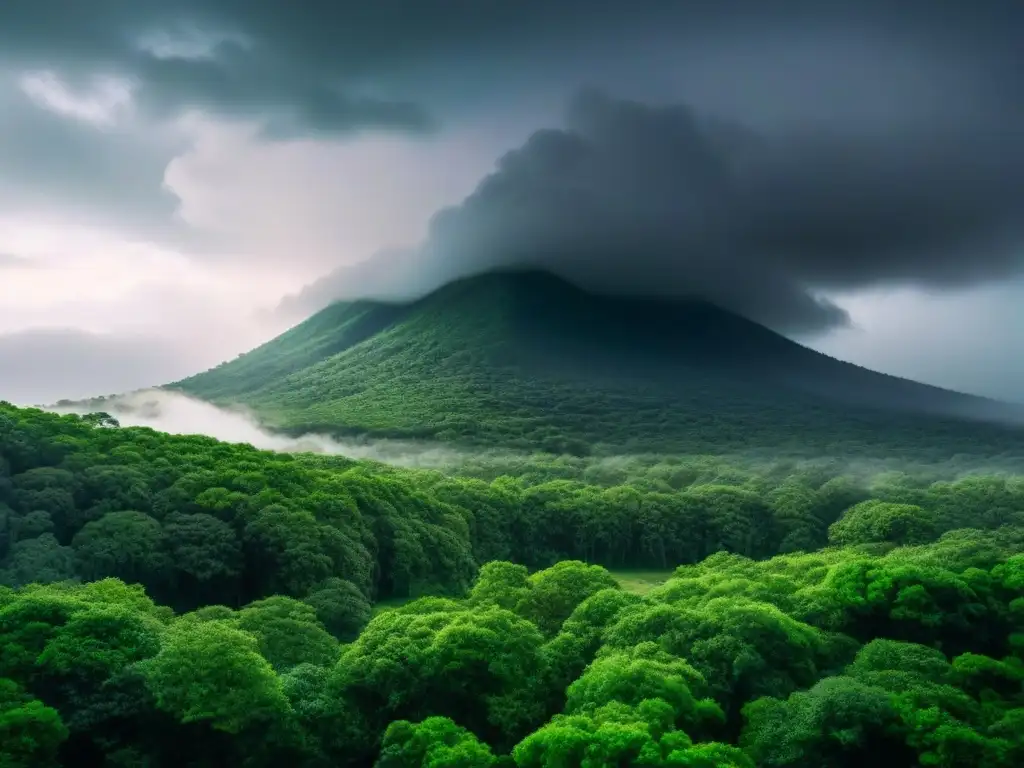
[178, 601]
[527, 361]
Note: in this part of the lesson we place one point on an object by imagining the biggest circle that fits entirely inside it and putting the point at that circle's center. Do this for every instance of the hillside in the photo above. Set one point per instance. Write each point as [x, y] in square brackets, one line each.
[527, 360]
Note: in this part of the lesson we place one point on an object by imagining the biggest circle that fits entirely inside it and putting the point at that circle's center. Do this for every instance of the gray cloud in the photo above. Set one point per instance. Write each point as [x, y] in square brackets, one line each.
[103, 175]
[968, 340]
[44, 365]
[638, 198]
[259, 59]
[339, 66]
[8, 260]
[915, 179]
[342, 66]
[110, 174]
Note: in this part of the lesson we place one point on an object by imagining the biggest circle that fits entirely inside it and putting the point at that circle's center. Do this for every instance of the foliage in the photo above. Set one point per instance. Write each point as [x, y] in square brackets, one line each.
[200, 522]
[879, 521]
[175, 601]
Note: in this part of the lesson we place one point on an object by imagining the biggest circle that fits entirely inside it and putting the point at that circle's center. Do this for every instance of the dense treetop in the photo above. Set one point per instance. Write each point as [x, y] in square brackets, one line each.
[174, 600]
[198, 522]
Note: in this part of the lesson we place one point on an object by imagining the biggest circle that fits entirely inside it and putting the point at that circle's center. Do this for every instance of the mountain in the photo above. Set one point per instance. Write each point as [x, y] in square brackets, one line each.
[528, 360]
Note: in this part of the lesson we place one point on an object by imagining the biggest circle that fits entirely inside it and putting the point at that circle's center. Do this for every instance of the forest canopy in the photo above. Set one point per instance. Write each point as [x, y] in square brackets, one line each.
[174, 600]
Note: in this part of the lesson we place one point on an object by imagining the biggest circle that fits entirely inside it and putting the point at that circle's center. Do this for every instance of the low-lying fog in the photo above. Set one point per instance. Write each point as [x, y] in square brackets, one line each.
[177, 413]
[180, 414]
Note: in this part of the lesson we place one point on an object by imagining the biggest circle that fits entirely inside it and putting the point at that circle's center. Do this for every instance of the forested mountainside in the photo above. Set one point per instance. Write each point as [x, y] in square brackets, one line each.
[174, 600]
[528, 361]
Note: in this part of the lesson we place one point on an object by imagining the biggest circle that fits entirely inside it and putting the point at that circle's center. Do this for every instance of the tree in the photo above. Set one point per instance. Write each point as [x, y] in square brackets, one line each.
[205, 556]
[874, 521]
[436, 742]
[30, 732]
[743, 648]
[99, 641]
[40, 560]
[213, 672]
[289, 550]
[113, 488]
[31, 525]
[288, 632]
[838, 721]
[616, 735]
[555, 592]
[341, 607]
[502, 583]
[642, 673]
[127, 545]
[433, 657]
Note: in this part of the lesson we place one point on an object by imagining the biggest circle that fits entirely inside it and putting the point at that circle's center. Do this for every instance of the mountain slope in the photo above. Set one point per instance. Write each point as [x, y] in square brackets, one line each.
[528, 360]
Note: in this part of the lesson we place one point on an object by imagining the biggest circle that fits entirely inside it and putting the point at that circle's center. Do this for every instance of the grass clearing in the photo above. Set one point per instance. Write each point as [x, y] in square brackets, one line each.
[641, 582]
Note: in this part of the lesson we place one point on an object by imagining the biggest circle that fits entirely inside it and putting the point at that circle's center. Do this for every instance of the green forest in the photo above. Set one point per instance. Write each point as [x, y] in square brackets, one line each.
[179, 601]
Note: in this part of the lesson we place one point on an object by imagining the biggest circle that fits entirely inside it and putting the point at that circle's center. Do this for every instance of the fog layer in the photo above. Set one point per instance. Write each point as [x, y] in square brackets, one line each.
[180, 414]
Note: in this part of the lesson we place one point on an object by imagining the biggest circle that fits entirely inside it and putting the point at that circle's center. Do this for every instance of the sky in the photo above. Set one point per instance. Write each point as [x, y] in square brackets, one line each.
[181, 180]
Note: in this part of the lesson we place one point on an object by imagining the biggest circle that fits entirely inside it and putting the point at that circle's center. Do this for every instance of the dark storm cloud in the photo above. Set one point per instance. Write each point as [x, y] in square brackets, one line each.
[630, 197]
[337, 66]
[318, 66]
[625, 196]
[253, 59]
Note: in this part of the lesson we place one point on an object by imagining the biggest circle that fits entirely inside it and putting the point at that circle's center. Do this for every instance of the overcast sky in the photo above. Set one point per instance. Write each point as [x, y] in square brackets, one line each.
[170, 171]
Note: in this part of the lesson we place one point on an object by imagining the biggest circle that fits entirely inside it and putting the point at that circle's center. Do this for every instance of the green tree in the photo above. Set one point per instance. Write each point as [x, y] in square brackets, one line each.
[432, 657]
[436, 742]
[646, 672]
[837, 722]
[31, 525]
[874, 521]
[30, 732]
[205, 557]
[288, 632]
[555, 592]
[212, 672]
[341, 607]
[40, 560]
[502, 583]
[127, 545]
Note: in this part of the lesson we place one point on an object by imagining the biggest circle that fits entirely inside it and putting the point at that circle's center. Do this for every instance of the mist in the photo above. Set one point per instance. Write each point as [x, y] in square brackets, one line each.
[176, 413]
[179, 414]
